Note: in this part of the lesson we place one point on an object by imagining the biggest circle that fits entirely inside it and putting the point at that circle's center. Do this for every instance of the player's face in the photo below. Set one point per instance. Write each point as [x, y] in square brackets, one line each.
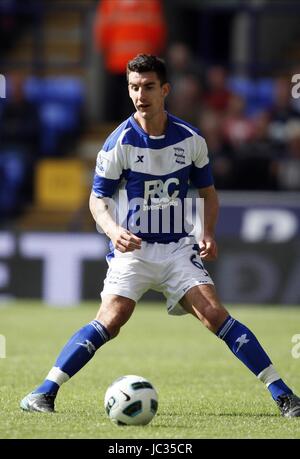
[147, 94]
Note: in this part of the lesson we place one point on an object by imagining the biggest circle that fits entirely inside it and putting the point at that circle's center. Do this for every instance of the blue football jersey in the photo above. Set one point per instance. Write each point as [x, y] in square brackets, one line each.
[154, 173]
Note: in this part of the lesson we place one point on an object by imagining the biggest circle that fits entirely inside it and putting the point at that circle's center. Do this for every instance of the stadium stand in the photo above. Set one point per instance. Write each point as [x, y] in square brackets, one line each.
[55, 52]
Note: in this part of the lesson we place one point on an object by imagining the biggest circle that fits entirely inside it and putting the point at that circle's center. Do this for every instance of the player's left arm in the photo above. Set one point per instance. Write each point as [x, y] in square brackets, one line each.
[208, 246]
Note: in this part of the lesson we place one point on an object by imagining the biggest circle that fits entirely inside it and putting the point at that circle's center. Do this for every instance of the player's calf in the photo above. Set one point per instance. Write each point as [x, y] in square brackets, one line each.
[79, 350]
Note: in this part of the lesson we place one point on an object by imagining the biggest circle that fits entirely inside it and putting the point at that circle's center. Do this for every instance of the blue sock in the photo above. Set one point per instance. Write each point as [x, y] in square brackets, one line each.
[244, 345]
[77, 352]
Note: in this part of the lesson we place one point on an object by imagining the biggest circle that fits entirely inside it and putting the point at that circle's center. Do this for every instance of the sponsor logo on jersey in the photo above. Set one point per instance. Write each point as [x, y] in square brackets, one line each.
[159, 194]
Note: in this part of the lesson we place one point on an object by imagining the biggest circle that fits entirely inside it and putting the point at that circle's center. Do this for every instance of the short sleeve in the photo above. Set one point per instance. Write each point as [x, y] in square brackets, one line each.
[201, 173]
[108, 172]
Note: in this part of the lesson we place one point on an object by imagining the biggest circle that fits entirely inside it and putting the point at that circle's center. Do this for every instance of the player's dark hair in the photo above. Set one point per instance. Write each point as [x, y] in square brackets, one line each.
[147, 63]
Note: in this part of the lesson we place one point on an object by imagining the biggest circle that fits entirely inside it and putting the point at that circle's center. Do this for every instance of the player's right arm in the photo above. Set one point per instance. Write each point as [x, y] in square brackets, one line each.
[122, 239]
[108, 172]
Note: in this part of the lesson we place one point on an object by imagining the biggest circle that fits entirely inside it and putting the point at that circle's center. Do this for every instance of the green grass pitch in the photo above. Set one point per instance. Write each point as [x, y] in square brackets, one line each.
[204, 391]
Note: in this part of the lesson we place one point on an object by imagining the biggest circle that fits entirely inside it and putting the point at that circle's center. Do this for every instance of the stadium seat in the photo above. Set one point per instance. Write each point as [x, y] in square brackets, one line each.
[56, 119]
[60, 184]
[59, 100]
[242, 86]
[265, 91]
[55, 89]
[258, 94]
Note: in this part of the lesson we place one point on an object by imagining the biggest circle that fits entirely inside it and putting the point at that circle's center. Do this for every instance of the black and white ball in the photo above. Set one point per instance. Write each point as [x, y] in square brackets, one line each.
[131, 400]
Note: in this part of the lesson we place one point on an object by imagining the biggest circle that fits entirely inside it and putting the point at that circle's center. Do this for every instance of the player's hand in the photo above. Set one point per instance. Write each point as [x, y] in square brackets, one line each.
[208, 249]
[125, 241]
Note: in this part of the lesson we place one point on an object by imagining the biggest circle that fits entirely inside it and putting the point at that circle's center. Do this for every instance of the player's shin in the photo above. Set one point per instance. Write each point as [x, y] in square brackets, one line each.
[245, 346]
[76, 353]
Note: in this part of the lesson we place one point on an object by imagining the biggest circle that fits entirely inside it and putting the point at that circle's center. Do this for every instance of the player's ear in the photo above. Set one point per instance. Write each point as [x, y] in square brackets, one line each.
[166, 88]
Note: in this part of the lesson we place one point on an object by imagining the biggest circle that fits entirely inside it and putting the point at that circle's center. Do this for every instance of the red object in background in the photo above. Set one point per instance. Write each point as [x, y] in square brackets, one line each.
[125, 28]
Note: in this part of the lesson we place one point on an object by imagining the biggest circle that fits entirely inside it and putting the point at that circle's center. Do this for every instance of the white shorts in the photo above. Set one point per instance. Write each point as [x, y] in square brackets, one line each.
[171, 268]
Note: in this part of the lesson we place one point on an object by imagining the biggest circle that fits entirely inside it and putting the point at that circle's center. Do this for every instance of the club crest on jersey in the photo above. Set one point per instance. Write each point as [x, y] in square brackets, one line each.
[179, 155]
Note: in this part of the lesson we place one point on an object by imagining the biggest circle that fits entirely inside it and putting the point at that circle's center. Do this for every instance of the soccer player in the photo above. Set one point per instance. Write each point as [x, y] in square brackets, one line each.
[155, 156]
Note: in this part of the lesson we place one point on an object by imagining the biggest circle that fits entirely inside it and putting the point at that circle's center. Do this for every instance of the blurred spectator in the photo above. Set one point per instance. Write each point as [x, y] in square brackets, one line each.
[288, 167]
[185, 76]
[123, 29]
[236, 126]
[216, 95]
[254, 159]
[15, 16]
[9, 23]
[19, 143]
[221, 155]
[185, 98]
[180, 62]
[282, 110]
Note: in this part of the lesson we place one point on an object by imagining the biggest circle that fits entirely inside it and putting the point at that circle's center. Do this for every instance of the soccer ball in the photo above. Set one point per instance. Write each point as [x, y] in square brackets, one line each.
[131, 400]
